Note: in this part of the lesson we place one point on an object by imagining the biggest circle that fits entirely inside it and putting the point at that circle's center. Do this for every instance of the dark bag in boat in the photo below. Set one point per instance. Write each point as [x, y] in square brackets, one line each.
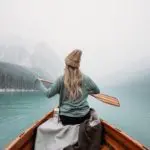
[90, 137]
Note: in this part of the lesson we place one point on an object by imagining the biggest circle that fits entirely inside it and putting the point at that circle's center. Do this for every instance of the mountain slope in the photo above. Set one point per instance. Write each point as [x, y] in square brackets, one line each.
[46, 60]
[15, 76]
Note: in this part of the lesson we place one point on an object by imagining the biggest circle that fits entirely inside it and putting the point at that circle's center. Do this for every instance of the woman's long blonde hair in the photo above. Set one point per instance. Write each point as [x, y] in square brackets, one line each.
[72, 82]
[73, 75]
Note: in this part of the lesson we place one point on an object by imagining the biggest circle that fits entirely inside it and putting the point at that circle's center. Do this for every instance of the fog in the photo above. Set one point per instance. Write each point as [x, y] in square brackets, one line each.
[113, 35]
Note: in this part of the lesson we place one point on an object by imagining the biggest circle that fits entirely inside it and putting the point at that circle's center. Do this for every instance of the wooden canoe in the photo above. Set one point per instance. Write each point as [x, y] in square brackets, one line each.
[114, 139]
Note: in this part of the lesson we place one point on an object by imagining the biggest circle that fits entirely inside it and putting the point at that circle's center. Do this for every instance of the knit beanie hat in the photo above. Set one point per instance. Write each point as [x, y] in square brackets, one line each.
[74, 58]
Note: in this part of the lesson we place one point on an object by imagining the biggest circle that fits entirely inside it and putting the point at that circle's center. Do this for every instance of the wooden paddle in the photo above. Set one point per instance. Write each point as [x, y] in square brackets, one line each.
[107, 99]
[102, 97]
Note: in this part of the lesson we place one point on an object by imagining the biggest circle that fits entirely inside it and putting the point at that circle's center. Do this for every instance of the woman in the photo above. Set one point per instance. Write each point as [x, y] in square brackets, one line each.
[74, 88]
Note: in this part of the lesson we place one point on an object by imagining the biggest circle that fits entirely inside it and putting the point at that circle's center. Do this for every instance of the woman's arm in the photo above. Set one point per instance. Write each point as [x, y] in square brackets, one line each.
[92, 87]
[53, 90]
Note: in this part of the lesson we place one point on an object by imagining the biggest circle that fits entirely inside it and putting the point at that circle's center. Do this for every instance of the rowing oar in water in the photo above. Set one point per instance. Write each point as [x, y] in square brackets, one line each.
[102, 97]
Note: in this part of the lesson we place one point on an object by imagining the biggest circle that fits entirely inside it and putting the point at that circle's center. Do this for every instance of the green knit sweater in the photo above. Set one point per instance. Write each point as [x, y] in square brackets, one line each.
[69, 107]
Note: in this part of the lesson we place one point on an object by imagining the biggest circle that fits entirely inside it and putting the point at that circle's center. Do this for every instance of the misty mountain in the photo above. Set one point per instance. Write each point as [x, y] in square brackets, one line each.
[19, 77]
[15, 76]
[19, 55]
[138, 71]
[137, 84]
[39, 59]
[46, 59]
[14, 54]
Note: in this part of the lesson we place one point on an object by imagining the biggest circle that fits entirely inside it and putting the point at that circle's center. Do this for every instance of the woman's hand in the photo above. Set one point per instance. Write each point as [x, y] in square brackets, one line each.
[37, 83]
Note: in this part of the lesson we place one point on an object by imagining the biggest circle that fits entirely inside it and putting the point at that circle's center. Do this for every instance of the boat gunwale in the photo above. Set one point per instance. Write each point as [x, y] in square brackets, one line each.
[29, 131]
[123, 135]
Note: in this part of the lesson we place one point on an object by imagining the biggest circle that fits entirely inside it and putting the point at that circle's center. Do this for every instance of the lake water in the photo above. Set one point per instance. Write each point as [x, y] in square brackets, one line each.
[19, 111]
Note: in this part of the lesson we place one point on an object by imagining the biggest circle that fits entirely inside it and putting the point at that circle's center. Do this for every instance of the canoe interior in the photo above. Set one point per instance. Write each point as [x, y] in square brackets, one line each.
[113, 139]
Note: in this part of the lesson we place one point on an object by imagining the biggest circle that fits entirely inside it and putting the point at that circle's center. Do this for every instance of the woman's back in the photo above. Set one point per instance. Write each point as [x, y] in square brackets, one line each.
[73, 88]
[74, 107]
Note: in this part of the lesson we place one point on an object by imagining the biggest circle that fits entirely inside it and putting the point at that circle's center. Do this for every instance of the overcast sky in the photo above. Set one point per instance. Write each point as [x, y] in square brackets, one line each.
[113, 34]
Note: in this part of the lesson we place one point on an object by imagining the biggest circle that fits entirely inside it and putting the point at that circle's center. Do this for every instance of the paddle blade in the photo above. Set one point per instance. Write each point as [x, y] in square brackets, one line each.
[107, 99]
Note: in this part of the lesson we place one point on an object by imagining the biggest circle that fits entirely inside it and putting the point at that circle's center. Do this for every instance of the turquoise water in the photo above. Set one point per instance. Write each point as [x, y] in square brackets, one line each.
[133, 117]
[19, 111]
